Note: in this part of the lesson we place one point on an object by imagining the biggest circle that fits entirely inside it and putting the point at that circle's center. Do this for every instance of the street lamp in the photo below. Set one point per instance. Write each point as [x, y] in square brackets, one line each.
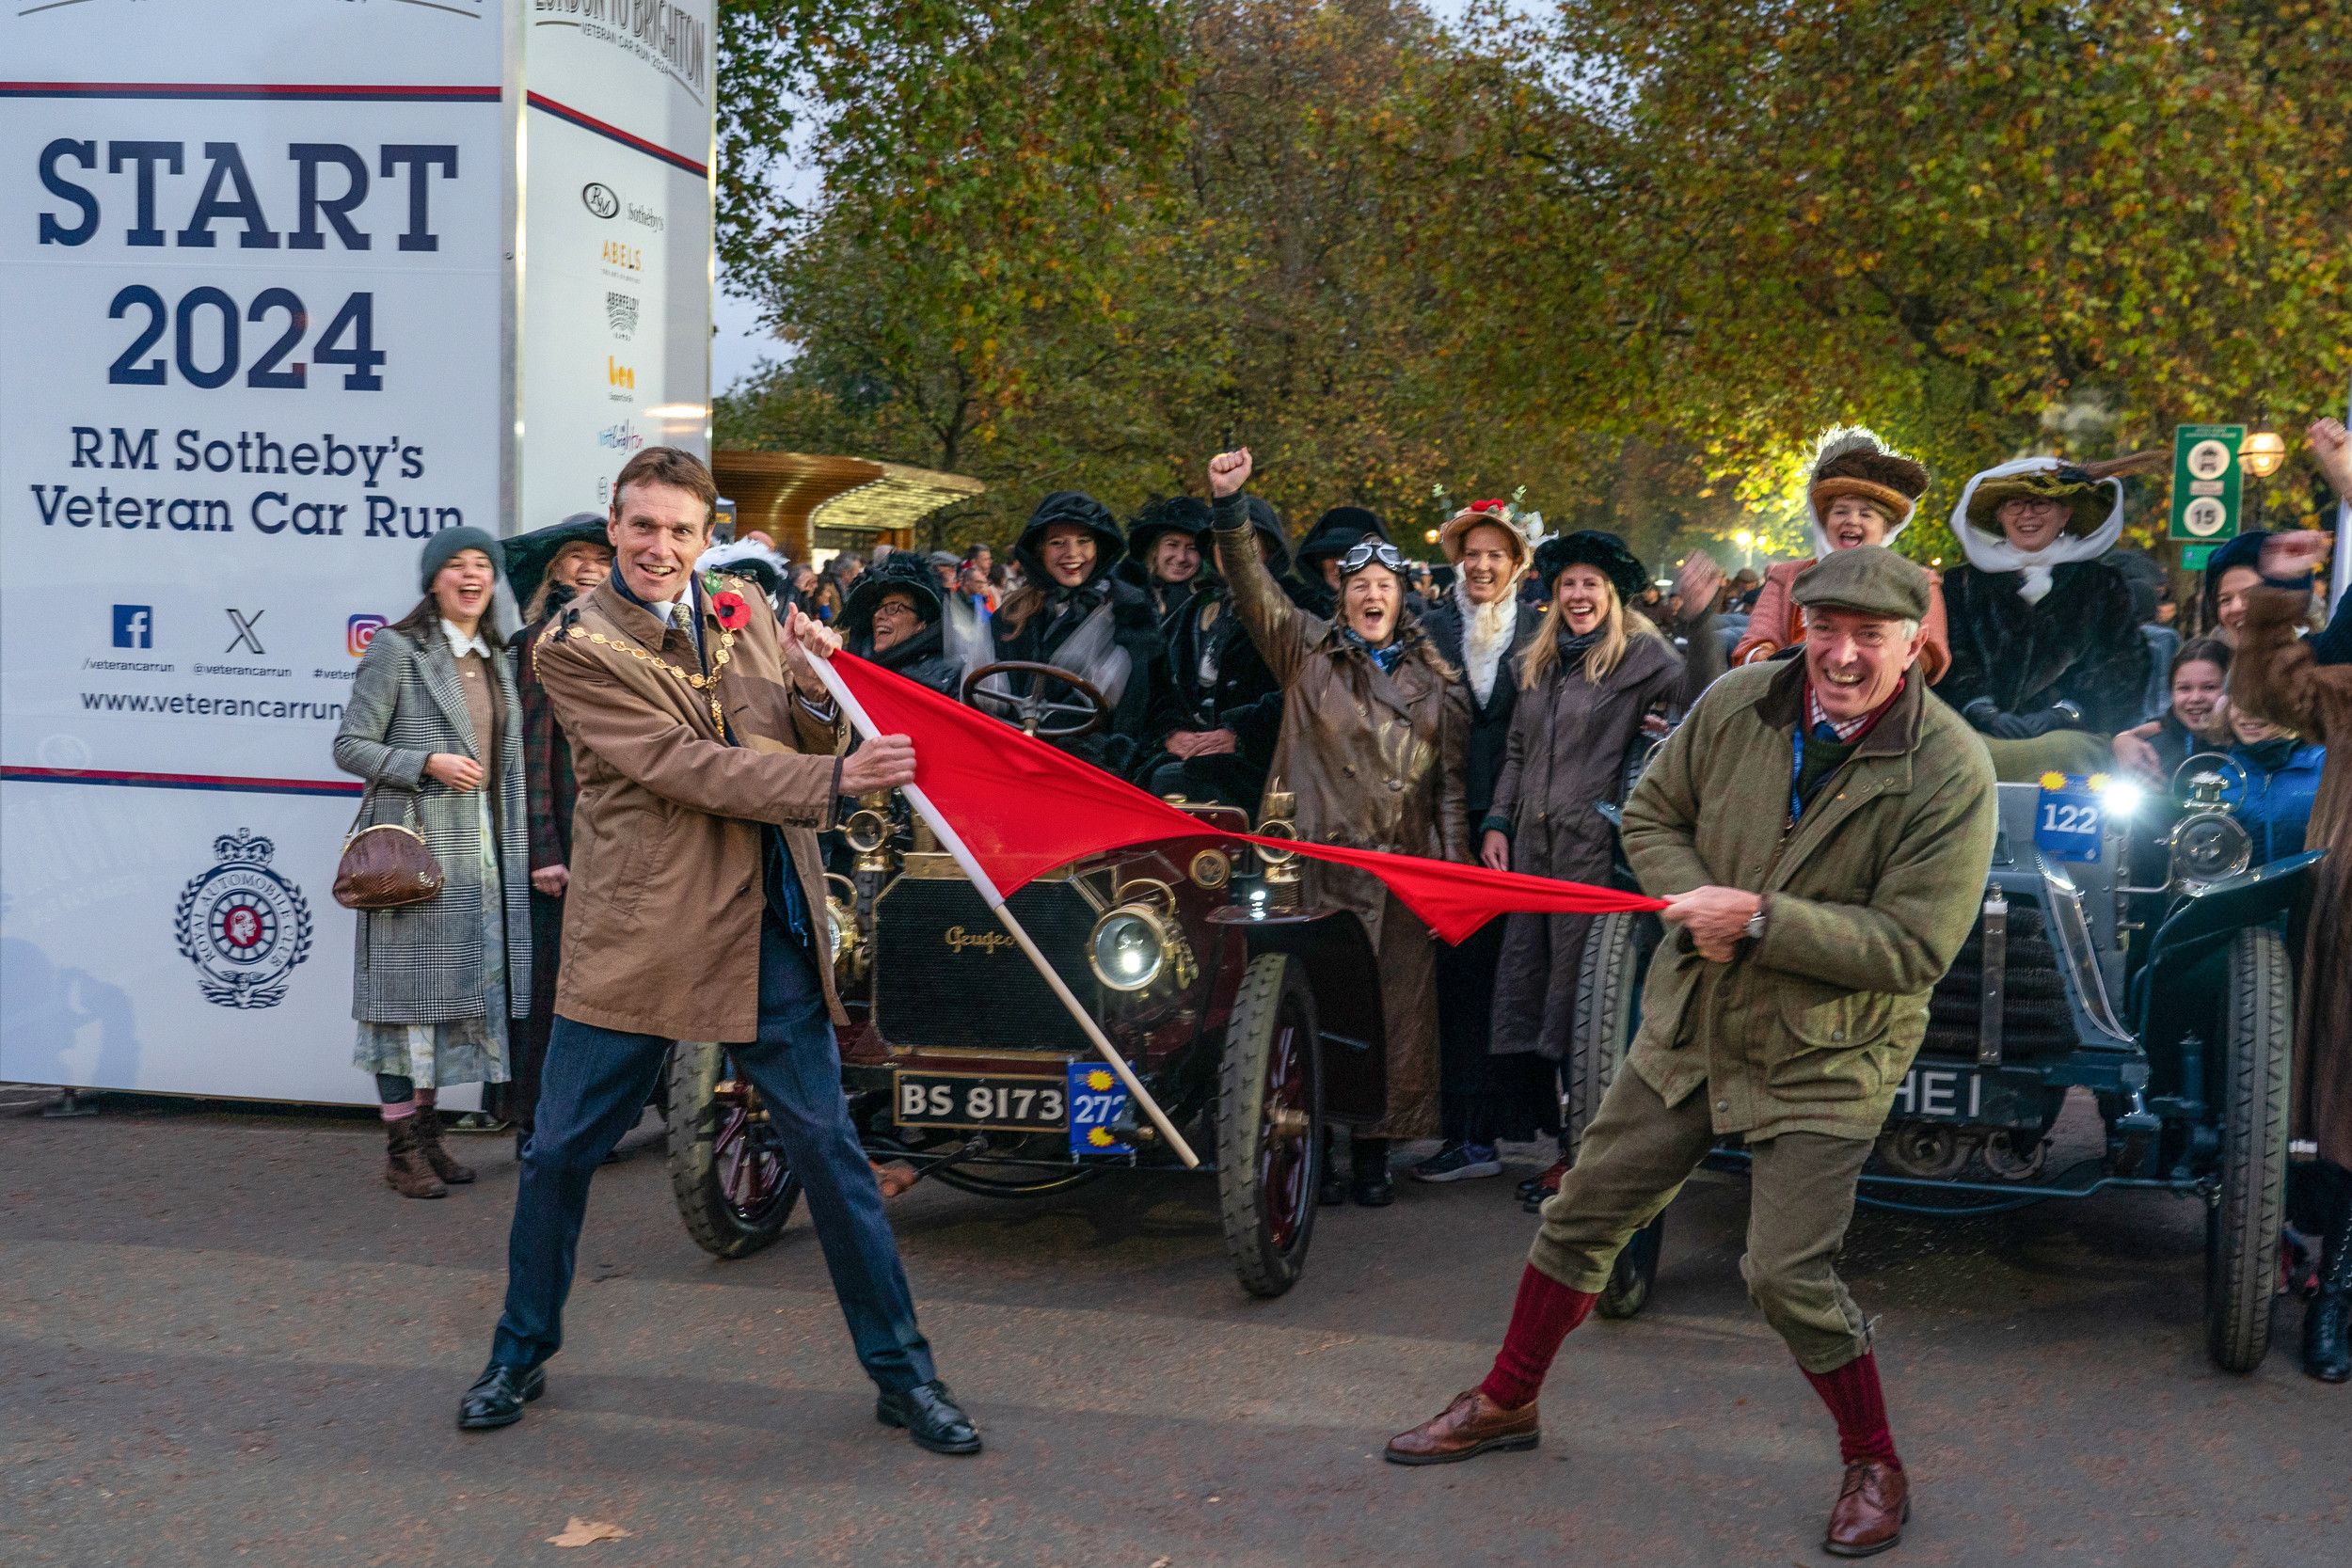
[1745, 538]
[2261, 452]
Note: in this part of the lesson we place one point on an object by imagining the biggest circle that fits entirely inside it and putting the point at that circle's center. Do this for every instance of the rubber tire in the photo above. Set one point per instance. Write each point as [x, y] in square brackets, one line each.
[696, 1069]
[1608, 979]
[1272, 983]
[2242, 1224]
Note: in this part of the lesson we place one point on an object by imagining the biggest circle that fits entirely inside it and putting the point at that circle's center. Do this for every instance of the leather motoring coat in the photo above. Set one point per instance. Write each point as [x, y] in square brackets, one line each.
[1866, 901]
[1375, 761]
[661, 922]
[1565, 753]
[2277, 675]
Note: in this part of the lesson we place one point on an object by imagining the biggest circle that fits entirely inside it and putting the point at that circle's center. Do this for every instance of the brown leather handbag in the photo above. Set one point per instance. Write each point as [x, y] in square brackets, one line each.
[386, 866]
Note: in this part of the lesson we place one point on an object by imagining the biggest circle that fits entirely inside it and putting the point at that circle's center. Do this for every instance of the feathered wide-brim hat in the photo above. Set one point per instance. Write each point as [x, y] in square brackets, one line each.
[2084, 487]
[529, 555]
[1590, 546]
[899, 573]
[1854, 460]
[744, 559]
[1491, 513]
[1070, 506]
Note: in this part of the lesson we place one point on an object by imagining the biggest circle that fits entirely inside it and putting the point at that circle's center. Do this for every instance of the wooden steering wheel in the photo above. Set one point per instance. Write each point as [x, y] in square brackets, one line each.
[1081, 710]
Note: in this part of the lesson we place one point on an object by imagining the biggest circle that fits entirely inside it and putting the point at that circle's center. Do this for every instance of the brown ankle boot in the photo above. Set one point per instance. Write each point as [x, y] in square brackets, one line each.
[428, 1122]
[406, 1170]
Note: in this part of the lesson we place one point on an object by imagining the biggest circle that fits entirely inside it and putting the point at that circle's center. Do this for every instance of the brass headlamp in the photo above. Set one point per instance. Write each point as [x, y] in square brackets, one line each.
[1138, 943]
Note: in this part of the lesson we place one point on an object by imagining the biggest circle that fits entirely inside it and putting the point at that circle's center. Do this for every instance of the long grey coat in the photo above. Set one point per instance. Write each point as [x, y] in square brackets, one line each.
[1567, 752]
[423, 964]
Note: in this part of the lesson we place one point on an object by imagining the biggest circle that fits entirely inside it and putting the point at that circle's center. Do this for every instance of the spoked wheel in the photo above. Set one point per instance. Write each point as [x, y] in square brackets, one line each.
[2242, 1224]
[1629, 1278]
[733, 1187]
[1618, 952]
[1269, 1125]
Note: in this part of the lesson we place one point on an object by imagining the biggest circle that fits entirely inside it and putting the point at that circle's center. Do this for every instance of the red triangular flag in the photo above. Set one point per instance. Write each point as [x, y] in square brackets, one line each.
[1025, 808]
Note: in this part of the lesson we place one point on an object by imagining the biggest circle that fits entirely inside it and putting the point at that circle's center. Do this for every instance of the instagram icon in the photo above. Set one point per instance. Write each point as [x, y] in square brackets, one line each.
[360, 631]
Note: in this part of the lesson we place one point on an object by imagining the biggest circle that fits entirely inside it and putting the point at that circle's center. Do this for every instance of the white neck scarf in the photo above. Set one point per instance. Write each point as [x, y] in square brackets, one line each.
[1487, 630]
[1993, 552]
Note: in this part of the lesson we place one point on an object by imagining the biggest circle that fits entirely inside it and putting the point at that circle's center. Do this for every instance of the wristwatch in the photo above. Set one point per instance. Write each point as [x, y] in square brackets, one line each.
[1754, 928]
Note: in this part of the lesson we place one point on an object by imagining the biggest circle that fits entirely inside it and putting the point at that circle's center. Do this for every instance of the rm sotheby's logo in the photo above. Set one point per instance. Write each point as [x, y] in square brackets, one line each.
[599, 199]
[244, 926]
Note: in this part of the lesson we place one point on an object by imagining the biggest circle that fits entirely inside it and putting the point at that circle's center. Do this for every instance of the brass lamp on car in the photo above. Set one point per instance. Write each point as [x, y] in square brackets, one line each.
[1138, 942]
[2209, 844]
[1282, 865]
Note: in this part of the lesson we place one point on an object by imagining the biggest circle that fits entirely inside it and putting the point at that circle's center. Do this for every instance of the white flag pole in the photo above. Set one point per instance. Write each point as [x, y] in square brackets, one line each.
[953, 841]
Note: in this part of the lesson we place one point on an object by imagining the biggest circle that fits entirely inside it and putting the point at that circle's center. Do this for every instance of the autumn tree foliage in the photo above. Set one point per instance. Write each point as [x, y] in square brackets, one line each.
[1631, 255]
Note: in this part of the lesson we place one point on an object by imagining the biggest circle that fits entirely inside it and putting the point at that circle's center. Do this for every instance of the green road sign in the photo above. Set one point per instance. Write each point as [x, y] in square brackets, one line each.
[2205, 481]
[2193, 557]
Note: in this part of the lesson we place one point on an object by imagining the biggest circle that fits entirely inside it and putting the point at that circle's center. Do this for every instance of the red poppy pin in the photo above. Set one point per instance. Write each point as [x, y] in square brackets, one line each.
[732, 614]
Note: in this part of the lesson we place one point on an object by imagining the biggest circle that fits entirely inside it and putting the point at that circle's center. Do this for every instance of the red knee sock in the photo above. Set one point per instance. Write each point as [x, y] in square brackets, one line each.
[1540, 1319]
[1853, 1396]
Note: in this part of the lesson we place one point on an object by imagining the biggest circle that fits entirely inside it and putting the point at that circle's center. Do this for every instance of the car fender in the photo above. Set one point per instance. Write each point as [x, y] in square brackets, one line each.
[1345, 976]
[2173, 983]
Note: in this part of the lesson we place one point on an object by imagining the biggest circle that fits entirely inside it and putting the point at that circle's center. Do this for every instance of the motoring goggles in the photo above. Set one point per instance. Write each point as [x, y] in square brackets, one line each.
[1367, 551]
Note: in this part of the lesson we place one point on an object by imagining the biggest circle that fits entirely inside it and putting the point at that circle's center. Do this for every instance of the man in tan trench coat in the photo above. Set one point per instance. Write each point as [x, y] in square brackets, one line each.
[708, 756]
[1821, 828]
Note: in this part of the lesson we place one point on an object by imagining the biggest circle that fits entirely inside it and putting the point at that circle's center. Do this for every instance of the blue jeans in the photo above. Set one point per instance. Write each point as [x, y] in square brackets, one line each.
[593, 1089]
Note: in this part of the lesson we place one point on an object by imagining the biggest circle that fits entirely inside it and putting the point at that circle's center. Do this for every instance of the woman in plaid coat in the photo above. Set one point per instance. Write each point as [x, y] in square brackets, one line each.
[434, 721]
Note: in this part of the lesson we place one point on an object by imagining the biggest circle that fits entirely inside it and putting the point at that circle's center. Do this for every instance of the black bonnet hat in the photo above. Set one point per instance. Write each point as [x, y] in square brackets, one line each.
[900, 572]
[1070, 506]
[1340, 530]
[1591, 547]
[1174, 514]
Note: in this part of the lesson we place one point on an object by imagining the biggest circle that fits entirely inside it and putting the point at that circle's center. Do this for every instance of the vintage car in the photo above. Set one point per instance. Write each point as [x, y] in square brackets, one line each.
[2171, 1005]
[1252, 1019]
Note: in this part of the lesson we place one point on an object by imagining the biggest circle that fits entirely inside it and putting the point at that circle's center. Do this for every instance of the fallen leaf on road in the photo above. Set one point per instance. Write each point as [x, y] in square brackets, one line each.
[582, 1533]
[1162, 1561]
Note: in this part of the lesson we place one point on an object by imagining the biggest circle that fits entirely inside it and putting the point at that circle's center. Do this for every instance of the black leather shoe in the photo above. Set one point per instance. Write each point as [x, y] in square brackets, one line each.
[930, 1416]
[1377, 1193]
[498, 1395]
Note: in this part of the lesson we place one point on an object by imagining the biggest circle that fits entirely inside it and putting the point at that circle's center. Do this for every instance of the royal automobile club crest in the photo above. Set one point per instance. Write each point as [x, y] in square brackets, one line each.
[243, 926]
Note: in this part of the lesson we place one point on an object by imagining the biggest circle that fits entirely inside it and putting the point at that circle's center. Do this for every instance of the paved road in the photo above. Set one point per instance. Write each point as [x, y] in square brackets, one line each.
[222, 1341]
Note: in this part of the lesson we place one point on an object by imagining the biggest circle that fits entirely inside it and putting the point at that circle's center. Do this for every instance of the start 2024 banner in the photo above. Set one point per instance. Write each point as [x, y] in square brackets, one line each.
[264, 260]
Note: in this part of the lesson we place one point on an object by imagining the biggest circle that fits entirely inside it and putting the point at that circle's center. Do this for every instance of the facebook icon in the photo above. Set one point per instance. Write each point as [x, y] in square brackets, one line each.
[135, 625]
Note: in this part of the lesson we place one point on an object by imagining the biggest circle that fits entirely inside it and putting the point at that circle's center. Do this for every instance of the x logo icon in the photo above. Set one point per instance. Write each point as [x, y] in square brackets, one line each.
[247, 637]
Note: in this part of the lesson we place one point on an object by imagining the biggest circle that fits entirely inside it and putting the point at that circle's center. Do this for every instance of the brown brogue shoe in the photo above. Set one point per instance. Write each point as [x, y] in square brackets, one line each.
[1472, 1425]
[1872, 1505]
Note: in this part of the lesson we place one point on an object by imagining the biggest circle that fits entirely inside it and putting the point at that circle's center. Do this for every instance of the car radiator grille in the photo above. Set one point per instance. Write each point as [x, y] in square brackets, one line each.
[948, 977]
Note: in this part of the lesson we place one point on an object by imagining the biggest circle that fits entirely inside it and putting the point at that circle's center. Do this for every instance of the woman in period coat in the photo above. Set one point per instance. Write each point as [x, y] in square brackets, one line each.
[1595, 671]
[434, 722]
[2047, 661]
[1373, 730]
[2278, 676]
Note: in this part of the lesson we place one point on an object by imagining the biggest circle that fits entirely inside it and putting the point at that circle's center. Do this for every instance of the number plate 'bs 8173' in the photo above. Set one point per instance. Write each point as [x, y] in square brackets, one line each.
[982, 1103]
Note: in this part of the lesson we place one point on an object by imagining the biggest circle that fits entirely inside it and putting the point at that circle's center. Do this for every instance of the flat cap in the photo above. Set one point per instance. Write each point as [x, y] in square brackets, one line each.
[1869, 579]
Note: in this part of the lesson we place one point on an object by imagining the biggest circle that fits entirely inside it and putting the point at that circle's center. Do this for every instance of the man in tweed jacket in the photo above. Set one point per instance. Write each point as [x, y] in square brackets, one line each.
[708, 756]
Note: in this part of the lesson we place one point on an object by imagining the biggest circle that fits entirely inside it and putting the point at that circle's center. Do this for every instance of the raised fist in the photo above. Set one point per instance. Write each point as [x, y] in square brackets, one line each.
[2293, 553]
[1228, 471]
